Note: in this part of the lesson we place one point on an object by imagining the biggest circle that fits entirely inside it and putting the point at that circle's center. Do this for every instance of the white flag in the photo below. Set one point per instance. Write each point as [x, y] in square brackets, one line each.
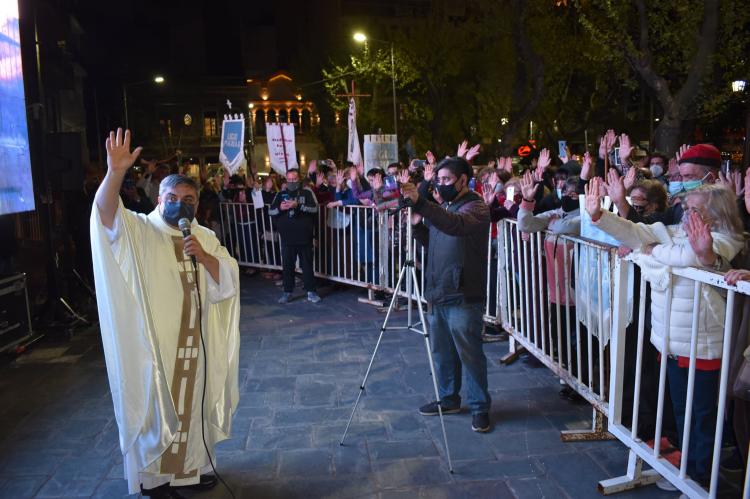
[354, 153]
[281, 148]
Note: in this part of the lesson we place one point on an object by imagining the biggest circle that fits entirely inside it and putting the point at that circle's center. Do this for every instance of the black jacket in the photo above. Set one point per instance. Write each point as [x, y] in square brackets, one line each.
[455, 235]
[295, 226]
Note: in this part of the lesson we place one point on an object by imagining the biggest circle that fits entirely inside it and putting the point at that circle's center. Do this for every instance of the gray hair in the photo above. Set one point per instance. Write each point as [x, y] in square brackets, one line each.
[172, 181]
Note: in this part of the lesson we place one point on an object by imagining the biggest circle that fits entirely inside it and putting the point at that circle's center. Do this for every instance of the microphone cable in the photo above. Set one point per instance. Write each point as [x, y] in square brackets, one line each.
[205, 381]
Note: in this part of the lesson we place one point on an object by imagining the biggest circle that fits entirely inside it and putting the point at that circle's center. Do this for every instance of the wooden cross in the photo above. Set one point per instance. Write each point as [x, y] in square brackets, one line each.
[353, 94]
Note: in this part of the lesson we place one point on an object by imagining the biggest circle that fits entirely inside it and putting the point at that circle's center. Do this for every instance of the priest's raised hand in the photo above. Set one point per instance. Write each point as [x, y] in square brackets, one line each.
[119, 161]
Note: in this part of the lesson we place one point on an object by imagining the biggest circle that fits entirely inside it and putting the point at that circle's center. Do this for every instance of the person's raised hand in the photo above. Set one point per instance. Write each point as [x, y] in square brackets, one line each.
[488, 196]
[473, 152]
[462, 148]
[312, 167]
[410, 191]
[611, 139]
[586, 168]
[726, 181]
[544, 160]
[673, 168]
[625, 148]
[736, 275]
[624, 251]
[429, 171]
[739, 188]
[616, 186]
[594, 194]
[681, 151]
[340, 178]
[403, 177]
[699, 235]
[528, 187]
[150, 165]
[430, 159]
[493, 180]
[119, 157]
[629, 180]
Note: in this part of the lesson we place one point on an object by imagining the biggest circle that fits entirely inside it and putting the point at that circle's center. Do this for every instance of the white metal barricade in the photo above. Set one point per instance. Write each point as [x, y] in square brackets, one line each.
[553, 296]
[356, 245]
[649, 450]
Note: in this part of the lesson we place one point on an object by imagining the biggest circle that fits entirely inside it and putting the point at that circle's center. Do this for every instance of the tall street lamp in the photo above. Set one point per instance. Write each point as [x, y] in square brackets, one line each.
[157, 79]
[360, 37]
[738, 87]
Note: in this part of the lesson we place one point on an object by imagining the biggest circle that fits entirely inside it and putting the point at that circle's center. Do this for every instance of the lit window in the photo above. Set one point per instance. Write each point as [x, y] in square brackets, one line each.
[209, 124]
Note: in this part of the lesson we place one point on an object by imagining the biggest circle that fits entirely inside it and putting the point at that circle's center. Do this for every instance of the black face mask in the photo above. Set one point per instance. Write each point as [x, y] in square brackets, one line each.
[448, 192]
[175, 210]
[569, 204]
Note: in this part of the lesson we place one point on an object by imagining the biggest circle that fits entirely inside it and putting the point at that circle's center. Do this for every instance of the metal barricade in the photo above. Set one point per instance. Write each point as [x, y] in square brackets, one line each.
[708, 287]
[356, 245]
[553, 298]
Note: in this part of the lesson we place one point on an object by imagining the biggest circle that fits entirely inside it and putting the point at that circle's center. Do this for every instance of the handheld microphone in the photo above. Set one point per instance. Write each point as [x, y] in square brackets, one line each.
[184, 225]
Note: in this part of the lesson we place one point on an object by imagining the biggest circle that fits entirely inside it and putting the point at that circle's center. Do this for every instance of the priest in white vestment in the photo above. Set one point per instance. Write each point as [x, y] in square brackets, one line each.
[156, 326]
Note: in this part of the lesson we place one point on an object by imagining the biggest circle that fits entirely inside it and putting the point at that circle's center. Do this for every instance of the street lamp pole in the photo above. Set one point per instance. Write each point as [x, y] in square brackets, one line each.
[157, 79]
[362, 38]
[393, 82]
[125, 104]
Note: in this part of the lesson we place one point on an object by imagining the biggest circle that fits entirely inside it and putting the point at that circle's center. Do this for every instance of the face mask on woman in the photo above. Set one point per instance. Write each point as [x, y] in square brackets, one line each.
[657, 170]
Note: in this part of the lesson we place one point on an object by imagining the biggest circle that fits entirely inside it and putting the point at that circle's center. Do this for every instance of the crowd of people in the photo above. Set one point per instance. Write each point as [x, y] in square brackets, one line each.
[690, 210]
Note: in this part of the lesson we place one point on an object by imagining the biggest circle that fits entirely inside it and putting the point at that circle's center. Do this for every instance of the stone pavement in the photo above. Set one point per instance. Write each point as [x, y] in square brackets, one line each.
[301, 366]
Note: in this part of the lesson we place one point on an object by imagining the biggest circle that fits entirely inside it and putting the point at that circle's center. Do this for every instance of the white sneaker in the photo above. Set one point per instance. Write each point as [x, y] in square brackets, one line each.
[665, 485]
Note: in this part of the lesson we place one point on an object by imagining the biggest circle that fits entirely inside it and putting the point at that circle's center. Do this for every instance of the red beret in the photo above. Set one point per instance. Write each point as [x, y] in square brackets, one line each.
[702, 154]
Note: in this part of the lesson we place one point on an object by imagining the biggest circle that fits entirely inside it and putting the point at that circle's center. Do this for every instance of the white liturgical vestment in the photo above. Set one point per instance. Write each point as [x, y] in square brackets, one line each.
[151, 320]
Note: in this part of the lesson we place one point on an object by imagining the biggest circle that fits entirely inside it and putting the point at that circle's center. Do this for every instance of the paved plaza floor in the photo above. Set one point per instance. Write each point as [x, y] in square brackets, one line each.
[300, 369]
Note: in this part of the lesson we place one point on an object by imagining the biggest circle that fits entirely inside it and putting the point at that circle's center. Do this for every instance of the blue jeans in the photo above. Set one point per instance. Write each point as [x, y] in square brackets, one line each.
[456, 342]
[703, 422]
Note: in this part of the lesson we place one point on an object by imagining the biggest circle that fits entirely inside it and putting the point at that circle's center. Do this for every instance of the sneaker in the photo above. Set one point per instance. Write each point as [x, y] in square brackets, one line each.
[480, 422]
[431, 409]
[313, 297]
[285, 298]
[665, 485]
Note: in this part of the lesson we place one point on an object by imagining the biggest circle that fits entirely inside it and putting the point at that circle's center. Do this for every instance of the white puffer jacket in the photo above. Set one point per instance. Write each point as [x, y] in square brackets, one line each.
[674, 250]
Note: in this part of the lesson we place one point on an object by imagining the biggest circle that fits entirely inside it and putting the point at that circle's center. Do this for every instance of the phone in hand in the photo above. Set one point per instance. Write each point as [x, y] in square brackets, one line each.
[510, 193]
[390, 182]
[617, 157]
[562, 148]
[726, 166]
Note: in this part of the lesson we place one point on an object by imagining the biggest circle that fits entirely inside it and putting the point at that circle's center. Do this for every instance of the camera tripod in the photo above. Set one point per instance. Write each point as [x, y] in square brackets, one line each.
[407, 274]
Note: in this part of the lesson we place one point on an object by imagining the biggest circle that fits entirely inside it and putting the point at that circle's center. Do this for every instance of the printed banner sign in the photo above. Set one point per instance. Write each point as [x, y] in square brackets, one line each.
[354, 153]
[380, 151]
[281, 147]
[232, 154]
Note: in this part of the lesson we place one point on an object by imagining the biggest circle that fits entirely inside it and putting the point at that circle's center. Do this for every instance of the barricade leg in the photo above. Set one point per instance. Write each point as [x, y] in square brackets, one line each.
[514, 351]
[635, 477]
[598, 430]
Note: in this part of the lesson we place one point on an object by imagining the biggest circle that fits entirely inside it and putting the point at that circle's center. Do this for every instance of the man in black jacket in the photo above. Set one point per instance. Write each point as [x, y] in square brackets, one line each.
[455, 234]
[294, 209]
